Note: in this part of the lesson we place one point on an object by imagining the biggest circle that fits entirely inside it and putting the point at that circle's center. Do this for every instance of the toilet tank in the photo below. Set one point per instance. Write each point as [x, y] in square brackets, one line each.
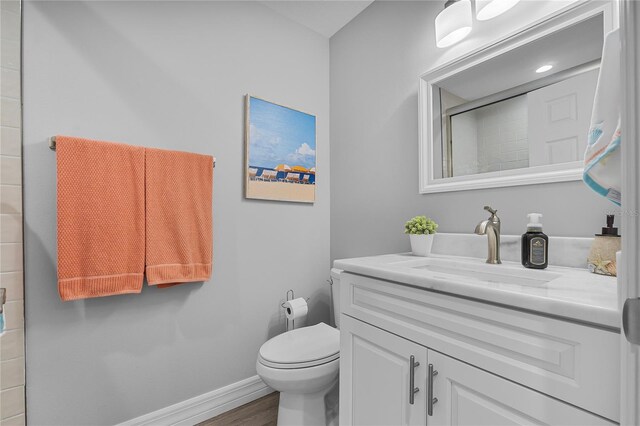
[335, 293]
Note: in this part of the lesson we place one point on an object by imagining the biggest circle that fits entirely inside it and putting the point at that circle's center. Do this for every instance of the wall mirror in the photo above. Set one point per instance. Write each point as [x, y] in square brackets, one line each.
[517, 112]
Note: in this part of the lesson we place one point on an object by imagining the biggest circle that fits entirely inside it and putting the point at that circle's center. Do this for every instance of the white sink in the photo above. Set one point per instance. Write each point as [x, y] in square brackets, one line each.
[477, 270]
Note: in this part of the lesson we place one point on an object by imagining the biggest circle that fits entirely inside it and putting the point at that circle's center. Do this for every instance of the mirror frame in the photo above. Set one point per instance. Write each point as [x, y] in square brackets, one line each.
[428, 132]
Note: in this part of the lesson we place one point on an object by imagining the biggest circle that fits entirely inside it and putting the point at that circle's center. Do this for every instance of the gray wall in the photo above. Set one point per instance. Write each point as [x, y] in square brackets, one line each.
[167, 75]
[375, 64]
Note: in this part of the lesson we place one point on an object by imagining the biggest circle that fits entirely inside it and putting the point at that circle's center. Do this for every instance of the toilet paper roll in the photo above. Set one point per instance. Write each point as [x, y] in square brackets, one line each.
[296, 308]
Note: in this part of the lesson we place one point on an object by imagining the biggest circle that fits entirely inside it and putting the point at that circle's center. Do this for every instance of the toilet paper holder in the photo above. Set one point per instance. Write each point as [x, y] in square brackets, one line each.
[293, 296]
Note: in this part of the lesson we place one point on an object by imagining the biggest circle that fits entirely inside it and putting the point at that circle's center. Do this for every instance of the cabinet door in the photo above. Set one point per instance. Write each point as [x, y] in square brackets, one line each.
[375, 376]
[470, 396]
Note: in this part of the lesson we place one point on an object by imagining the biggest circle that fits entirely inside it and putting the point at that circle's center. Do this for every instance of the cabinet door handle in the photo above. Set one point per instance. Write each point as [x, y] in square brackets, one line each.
[412, 369]
[430, 399]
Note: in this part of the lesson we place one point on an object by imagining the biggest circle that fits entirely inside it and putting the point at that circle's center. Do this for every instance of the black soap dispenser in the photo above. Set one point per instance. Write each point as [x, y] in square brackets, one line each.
[535, 244]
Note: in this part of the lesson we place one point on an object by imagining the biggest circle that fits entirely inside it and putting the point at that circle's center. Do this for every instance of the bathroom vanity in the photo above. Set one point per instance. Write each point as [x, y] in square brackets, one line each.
[447, 340]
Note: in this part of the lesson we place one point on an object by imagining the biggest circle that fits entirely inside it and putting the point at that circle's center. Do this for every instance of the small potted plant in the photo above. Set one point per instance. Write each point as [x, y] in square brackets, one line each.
[421, 230]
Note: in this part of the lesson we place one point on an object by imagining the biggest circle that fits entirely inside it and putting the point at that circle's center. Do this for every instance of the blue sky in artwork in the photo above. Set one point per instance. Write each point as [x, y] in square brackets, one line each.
[279, 135]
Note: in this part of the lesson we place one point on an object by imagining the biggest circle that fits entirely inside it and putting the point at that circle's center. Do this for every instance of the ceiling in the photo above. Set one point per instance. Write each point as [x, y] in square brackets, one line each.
[325, 17]
[572, 46]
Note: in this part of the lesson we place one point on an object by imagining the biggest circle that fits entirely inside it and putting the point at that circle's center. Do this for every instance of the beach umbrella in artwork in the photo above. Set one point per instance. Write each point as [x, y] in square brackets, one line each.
[283, 168]
[312, 170]
[299, 169]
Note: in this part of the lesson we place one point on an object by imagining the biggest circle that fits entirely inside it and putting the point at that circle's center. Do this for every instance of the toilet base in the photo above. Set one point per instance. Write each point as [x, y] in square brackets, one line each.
[310, 409]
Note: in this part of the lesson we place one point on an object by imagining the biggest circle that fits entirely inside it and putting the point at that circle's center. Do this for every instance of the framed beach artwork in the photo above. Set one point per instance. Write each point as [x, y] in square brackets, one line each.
[280, 152]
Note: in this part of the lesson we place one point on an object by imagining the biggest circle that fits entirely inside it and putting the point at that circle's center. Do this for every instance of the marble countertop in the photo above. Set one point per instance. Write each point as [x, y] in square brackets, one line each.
[572, 293]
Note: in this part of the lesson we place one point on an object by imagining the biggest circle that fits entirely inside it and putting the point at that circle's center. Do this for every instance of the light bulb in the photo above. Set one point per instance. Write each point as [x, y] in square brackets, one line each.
[487, 9]
[453, 23]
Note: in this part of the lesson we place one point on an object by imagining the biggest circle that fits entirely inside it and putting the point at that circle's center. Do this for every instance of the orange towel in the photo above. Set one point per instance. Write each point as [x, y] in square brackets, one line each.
[179, 227]
[100, 218]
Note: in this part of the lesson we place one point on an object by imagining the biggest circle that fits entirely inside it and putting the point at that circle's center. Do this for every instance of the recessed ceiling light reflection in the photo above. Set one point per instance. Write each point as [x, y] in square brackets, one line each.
[544, 68]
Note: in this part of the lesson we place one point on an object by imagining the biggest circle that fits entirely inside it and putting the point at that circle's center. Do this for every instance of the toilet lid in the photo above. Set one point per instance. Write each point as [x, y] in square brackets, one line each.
[305, 346]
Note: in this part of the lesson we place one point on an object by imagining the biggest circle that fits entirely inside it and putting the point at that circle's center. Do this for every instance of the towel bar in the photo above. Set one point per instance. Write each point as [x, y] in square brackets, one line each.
[52, 147]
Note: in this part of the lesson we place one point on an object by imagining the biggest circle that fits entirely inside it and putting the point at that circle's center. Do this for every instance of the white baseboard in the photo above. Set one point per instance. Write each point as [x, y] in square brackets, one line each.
[205, 406]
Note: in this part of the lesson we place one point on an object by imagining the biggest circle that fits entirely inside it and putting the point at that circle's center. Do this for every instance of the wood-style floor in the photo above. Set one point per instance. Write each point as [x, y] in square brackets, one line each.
[261, 412]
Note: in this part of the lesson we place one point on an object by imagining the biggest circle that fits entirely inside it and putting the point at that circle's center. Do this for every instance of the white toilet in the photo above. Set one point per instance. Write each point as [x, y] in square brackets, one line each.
[303, 366]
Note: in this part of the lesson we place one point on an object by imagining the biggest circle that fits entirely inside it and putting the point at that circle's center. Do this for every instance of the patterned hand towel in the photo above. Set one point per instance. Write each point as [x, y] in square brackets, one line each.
[100, 218]
[602, 161]
[179, 237]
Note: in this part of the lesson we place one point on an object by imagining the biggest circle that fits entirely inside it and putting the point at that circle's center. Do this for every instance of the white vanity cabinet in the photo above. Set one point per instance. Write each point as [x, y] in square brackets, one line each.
[494, 365]
[468, 396]
[377, 388]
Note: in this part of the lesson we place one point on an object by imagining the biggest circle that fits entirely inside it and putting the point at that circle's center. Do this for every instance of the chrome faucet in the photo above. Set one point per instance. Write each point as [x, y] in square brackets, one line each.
[491, 228]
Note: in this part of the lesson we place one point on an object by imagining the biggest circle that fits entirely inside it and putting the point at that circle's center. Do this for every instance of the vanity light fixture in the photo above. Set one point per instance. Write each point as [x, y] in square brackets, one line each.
[453, 23]
[488, 9]
[544, 68]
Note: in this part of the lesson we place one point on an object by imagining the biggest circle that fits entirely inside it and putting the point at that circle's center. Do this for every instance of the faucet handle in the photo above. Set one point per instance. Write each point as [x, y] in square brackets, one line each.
[490, 210]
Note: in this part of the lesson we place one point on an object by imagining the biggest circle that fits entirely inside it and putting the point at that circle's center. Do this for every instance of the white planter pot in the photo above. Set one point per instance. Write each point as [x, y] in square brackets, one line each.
[421, 244]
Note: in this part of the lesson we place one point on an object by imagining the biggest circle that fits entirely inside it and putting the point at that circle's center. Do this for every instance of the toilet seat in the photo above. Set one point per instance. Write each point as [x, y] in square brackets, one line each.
[295, 365]
[301, 348]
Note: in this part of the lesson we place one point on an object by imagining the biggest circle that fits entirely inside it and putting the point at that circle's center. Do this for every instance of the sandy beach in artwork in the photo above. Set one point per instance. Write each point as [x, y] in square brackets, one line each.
[281, 191]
